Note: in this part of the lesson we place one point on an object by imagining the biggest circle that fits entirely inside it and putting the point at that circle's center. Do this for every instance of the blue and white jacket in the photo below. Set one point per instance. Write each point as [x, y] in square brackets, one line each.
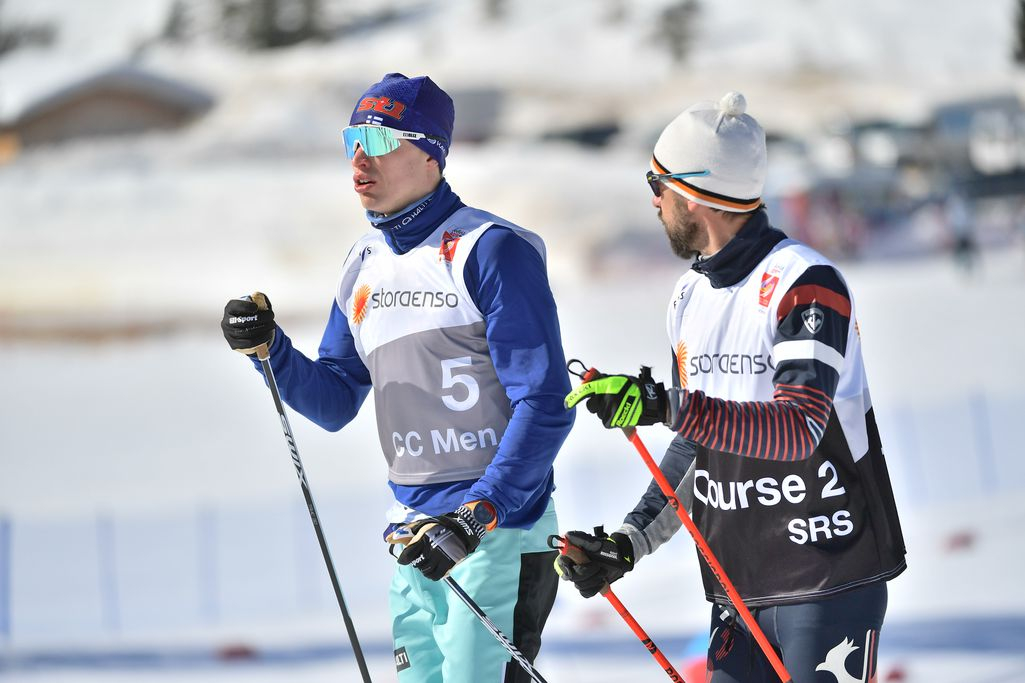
[446, 312]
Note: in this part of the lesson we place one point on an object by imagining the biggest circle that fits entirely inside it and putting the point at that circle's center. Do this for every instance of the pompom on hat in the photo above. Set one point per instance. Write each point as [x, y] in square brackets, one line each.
[414, 104]
[720, 138]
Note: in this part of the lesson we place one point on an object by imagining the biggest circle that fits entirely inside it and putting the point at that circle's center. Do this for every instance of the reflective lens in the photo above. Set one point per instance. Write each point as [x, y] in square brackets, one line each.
[655, 180]
[374, 140]
[378, 140]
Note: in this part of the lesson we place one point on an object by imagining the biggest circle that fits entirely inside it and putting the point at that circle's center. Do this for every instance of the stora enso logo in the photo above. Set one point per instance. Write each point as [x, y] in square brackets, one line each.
[359, 303]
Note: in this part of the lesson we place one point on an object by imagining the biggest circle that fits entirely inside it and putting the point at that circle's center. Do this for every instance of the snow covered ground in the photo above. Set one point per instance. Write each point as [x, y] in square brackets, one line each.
[160, 462]
[151, 526]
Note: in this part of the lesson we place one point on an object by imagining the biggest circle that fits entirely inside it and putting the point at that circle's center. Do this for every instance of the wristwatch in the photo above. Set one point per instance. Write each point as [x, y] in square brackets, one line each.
[483, 513]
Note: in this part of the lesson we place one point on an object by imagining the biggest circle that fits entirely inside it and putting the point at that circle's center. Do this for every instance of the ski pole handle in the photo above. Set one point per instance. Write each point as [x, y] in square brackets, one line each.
[261, 351]
[577, 555]
[562, 544]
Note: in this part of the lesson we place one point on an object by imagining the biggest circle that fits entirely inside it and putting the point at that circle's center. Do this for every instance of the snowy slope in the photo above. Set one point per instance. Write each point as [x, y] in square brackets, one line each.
[157, 428]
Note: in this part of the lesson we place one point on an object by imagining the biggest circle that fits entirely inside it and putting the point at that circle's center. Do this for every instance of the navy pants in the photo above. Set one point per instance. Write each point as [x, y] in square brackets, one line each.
[834, 640]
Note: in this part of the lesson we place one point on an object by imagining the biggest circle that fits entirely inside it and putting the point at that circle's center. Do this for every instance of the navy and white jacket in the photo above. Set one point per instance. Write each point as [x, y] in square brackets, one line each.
[445, 311]
[787, 479]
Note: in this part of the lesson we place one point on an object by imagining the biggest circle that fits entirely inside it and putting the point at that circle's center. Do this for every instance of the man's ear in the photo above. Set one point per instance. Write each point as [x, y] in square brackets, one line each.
[434, 167]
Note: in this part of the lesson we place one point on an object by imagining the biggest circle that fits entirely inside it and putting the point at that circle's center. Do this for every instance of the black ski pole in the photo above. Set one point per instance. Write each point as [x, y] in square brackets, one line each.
[495, 631]
[401, 536]
[263, 355]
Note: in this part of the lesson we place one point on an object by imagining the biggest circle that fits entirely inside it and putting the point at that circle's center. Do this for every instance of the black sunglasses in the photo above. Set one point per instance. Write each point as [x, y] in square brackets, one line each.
[655, 179]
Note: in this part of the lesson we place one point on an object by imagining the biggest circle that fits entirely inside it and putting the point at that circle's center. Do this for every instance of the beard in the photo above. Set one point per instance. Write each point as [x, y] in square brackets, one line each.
[683, 233]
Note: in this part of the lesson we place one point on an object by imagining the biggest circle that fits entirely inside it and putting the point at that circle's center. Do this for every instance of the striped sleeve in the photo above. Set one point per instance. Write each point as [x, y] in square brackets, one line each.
[813, 319]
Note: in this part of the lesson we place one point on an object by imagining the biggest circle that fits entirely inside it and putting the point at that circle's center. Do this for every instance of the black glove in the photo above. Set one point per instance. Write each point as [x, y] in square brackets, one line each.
[248, 322]
[592, 561]
[440, 543]
[623, 400]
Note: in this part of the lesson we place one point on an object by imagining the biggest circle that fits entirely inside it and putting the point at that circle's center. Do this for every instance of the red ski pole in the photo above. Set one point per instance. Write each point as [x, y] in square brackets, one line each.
[710, 559]
[699, 540]
[574, 553]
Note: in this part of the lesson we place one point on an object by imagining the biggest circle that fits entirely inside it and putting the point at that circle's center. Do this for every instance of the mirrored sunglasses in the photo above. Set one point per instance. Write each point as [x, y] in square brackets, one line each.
[655, 180]
[376, 141]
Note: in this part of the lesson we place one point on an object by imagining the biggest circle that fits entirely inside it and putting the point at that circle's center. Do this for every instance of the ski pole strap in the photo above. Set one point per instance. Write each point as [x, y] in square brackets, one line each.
[585, 373]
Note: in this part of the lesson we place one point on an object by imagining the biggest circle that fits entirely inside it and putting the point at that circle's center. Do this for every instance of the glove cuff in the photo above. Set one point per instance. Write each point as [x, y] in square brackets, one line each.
[463, 516]
[626, 549]
[676, 404]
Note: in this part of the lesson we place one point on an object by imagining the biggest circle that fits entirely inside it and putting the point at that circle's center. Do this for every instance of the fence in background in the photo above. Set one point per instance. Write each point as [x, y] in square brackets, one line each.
[217, 565]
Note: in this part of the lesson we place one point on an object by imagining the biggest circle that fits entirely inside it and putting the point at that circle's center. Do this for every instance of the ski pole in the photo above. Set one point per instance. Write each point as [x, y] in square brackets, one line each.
[495, 631]
[708, 555]
[574, 553]
[263, 355]
[402, 536]
[706, 552]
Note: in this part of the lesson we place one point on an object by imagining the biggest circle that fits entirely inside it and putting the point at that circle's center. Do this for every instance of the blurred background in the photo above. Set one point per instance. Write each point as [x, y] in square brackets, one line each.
[158, 157]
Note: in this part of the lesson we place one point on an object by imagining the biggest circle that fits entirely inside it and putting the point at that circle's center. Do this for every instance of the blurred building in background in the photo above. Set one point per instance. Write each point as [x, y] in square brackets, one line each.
[121, 101]
[158, 156]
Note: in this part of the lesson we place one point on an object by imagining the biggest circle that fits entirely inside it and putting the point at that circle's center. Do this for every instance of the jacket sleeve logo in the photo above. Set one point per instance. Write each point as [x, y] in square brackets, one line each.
[813, 318]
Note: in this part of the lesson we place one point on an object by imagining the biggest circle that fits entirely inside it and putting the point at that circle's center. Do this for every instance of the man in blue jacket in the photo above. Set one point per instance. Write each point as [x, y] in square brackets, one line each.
[446, 312]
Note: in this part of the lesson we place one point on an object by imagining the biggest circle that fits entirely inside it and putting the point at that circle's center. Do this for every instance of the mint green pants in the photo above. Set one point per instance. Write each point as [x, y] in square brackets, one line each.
[437, 638]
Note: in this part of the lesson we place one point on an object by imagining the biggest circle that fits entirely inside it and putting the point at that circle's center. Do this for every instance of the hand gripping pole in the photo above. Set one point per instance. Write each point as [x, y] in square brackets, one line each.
[400, 537]
[574, 553]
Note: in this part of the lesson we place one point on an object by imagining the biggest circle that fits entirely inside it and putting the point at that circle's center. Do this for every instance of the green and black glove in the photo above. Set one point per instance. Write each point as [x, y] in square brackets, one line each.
[592, 561]
[623, 400]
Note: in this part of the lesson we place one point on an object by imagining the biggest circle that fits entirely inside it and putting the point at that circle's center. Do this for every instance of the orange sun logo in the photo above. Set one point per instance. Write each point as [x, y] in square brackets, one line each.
[359, 304]
[681, 363]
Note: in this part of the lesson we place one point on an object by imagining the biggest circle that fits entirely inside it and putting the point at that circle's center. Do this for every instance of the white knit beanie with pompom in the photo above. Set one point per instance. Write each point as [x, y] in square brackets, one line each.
[720, 138]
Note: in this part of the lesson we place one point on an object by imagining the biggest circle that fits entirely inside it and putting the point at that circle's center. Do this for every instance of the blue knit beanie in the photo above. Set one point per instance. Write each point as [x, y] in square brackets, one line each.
[412, 104]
